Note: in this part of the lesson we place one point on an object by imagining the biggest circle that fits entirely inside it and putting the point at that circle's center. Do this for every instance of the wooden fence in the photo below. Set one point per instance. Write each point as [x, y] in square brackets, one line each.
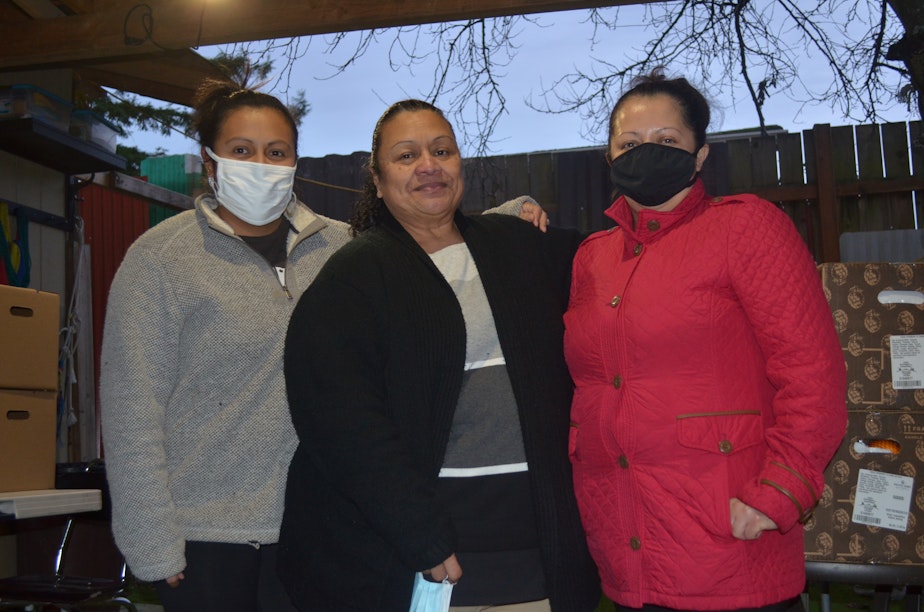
[829, 180]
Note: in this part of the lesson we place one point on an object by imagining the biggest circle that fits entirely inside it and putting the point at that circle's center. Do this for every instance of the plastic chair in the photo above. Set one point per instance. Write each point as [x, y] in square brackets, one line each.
[88, 569]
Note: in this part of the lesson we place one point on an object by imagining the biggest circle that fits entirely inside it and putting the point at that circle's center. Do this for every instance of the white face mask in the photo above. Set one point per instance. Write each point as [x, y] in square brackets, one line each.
[255, 193]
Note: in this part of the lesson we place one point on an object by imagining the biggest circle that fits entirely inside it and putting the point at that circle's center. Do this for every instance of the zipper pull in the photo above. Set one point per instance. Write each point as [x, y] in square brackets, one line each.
[281, 275]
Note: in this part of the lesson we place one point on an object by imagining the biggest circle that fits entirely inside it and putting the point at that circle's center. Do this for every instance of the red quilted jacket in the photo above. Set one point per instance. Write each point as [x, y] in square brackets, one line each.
[706, 367]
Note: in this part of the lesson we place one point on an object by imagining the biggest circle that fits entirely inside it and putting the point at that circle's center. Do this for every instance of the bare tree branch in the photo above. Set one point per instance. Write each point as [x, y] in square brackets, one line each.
[720, 45]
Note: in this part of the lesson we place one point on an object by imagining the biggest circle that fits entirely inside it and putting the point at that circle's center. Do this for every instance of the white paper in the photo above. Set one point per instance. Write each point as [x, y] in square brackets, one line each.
[883, 500]
[907, 361]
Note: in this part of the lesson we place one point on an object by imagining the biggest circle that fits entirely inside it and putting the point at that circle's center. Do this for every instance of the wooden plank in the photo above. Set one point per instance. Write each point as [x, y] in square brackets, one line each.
[869, 152]
[792, 165]
[873, 209]
[495, 181]
[542, 185]
[823, 141]
[172, 76]
[896, 155]
[811, 166]
[86, 441]
[763, 163]
[484, 183]
[916, 132]
[739, 166]
[765, 174]
[569, 192]
[715, 169]
[135, 186]
[792, 174]
[349, 193]
[584, 195]
[896, 159]
[126, 28]
[517, 176]
[844, 169]
[599, 187]
[606, 193]
[847, 189]
[307, 172]
[341, 171]
[39, 9]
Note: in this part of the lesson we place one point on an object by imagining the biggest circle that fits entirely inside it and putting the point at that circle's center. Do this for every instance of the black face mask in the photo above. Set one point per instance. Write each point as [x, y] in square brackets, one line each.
[651, 174]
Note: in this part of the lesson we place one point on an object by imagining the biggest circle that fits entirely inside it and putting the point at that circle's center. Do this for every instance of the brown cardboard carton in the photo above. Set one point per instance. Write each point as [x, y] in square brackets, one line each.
[27, 440]
[28, 339]
[872, 508]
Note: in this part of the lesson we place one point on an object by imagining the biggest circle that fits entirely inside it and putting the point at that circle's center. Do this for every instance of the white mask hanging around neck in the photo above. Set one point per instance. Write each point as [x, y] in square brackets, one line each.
[255, 193]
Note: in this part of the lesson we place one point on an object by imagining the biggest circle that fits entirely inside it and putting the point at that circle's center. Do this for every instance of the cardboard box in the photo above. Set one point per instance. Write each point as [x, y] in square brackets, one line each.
[27, 440]
[872, 508]
[28, 339]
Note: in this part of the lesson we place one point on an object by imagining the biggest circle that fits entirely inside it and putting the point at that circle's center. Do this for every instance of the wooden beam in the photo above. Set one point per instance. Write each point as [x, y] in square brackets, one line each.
[136, 187]
[827, 195]
[77, 6]
[126, 28]
[39, 9]
[172, 77]
[883, 186]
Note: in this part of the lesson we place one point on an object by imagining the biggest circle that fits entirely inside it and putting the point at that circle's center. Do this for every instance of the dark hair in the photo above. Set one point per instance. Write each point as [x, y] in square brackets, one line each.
[216, 99]
[367, 211]
[694, 109]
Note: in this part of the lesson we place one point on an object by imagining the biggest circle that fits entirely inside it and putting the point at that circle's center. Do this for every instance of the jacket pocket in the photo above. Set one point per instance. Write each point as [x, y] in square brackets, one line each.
[731, 446]
[725, 433]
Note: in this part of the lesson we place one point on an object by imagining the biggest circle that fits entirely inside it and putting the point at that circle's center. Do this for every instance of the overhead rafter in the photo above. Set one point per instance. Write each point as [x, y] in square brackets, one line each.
[170, 76]
[39, 9]
[121, 29]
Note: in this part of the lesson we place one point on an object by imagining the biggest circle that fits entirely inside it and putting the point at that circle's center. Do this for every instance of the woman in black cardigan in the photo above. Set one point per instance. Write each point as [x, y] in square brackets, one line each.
[427, 385]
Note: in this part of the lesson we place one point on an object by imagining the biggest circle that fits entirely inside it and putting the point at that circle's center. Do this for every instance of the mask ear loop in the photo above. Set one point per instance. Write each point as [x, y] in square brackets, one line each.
[210, 178]
[696, 173]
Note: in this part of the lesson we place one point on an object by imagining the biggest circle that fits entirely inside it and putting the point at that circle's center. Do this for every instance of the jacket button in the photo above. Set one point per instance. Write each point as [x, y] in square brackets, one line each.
[635, 543]
[623, 462]
[638, 249]
[653, 225]
[615, 301]
[725, 447]
[617, 381]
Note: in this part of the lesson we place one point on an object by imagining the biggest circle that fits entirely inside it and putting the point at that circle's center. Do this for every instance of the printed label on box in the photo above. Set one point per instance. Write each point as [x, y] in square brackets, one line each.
[883, 500]
[907, 361]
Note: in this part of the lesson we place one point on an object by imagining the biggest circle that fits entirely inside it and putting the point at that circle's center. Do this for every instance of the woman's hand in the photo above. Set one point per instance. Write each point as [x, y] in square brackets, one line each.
[534, 214]
[449, 568]
[174, 581]
[748, 523]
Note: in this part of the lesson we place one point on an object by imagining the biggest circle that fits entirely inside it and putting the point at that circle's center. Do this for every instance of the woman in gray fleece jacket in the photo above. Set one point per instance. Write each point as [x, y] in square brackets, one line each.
[196, 426]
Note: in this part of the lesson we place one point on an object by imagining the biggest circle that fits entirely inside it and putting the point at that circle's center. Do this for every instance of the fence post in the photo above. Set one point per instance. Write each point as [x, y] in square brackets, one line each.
[827, 194]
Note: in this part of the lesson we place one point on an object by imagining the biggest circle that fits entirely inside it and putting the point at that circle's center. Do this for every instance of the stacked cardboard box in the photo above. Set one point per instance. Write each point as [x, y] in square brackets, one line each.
[872, 509]
[28, 388]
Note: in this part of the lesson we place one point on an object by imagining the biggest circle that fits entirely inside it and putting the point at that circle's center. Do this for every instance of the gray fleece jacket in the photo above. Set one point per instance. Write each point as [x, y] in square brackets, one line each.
[196, 427]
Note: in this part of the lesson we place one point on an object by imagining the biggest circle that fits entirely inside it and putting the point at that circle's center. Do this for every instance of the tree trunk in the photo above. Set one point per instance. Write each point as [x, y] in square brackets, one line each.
[910, 48]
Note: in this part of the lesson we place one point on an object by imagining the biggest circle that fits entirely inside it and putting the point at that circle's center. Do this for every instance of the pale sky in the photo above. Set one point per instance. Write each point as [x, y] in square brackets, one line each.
[344, 109]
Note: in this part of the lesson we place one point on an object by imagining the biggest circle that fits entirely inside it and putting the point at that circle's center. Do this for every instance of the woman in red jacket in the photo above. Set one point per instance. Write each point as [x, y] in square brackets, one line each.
[710, 385]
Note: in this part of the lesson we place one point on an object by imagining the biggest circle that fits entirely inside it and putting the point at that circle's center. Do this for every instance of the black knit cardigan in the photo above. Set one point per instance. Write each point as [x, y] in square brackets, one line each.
[374, 361]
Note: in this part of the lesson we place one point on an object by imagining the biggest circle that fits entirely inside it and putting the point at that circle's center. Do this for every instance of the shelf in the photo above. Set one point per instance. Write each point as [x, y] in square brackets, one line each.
[58, 150]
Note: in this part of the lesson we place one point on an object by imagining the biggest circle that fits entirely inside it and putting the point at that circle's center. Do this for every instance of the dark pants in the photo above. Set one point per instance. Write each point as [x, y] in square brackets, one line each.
[226, 578]
[792, 605]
